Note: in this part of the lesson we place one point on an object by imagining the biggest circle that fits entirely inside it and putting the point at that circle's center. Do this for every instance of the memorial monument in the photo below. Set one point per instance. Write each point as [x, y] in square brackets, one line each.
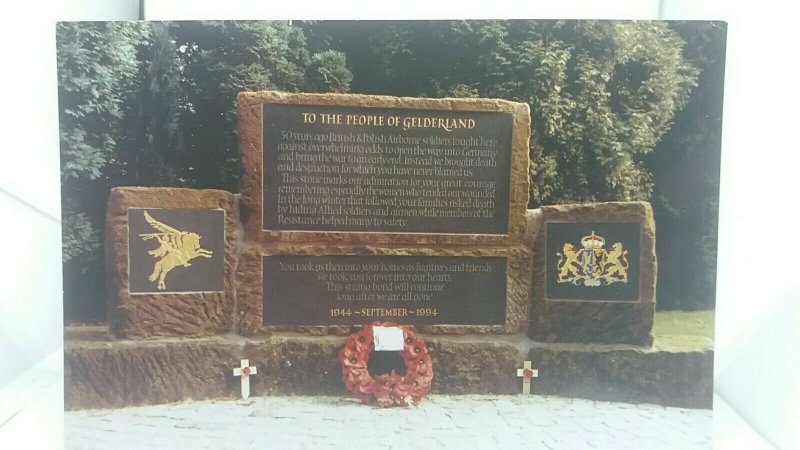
[355, 209]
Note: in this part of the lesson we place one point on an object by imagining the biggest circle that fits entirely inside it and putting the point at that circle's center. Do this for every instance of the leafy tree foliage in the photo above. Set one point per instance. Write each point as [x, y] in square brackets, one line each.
[601, 94]
[96, 67]
[329, 71]
[221, 60]
[685, 167]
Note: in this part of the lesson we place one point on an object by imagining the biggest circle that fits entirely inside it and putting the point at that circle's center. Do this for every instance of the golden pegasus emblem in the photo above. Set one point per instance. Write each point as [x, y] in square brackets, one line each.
[593, 265]
[176, 248]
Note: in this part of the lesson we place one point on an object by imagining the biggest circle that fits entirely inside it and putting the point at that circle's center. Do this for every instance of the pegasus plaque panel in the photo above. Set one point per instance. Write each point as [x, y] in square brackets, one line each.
[593, 261]
[176, 250]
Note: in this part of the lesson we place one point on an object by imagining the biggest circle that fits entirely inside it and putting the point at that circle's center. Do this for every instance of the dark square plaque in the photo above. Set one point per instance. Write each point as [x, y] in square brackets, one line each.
[352, 290]
[592, 261]
[175, 250]
[361, 169]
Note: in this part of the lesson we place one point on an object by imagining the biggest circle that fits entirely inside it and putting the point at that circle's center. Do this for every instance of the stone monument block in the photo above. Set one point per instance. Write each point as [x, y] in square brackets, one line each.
[170, 255]
[360, 208]
[594, 274]
[364, 169]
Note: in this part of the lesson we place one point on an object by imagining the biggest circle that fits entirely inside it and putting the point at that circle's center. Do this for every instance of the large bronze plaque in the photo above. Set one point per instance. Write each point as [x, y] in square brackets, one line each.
[351, 290]
[367, 169]
[176, 250]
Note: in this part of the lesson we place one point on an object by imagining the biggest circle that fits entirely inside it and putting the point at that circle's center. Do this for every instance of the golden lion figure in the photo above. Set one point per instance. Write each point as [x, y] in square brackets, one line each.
[568, 264]
[176, 248]
[616, 263]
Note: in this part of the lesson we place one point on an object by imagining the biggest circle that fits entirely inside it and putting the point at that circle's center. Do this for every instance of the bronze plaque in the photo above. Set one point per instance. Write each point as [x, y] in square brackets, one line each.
[361, 169]
[176, 250]
[352, 290]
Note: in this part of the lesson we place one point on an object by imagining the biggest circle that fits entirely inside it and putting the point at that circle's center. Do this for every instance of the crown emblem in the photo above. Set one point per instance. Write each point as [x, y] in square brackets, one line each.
[593, 242]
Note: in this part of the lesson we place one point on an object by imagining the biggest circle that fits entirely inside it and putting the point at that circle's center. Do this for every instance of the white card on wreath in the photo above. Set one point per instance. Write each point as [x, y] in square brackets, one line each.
[388, 338]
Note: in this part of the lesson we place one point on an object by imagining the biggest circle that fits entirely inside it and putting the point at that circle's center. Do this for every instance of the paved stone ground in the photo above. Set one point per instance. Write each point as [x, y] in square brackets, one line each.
[463, 422]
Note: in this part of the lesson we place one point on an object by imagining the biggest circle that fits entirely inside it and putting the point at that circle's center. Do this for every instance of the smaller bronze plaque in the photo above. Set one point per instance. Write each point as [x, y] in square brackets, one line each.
[176, 250]
[593, 261]
[353, 290]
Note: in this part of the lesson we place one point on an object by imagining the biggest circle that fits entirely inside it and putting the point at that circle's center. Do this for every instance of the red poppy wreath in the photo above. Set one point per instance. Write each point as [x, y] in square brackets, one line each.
[390, 388]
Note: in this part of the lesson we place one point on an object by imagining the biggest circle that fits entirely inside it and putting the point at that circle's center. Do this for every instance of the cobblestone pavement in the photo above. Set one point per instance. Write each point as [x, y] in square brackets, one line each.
[463, 422]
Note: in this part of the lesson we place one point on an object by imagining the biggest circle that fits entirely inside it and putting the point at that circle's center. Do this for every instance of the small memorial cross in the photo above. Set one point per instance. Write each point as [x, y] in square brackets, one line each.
[245, 371]
[527, 373]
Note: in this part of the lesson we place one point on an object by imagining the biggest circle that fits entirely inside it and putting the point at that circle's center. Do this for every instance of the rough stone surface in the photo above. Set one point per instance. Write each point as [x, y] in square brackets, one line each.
[595, 321]
[458, 422]
[249, 304]
[625, 373]
[250, 149]
[470, 367]
[177, 314]
[103, 373]
[115, 374]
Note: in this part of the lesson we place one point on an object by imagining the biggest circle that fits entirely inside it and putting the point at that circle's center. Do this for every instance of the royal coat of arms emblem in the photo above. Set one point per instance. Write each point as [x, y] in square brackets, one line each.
[593, 265]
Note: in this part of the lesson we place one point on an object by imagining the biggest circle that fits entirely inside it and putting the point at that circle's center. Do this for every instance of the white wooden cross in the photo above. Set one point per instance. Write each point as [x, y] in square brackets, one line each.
[245, 371]
[527, 373]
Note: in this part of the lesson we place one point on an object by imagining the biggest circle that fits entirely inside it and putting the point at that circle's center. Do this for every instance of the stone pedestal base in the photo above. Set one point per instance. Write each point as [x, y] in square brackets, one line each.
[104, 373]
